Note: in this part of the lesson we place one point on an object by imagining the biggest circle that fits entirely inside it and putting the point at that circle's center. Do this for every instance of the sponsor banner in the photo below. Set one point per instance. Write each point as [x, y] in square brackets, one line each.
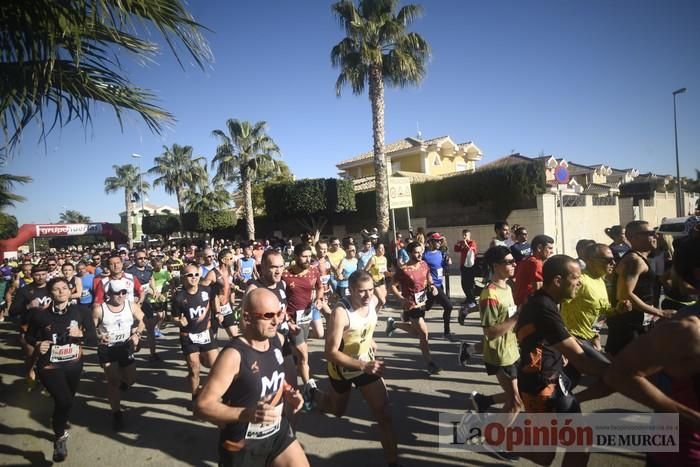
[545, 432]
[64, 230]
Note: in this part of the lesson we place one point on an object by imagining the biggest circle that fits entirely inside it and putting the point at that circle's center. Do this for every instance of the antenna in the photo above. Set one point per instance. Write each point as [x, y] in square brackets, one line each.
[419, 135]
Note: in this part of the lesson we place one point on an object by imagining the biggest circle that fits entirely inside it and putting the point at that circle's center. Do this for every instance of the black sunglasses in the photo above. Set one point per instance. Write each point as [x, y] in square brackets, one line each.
[119, 292]
[508, 262]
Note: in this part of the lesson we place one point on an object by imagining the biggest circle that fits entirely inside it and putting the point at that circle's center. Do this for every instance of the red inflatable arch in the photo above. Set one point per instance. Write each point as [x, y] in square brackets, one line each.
[8, 248]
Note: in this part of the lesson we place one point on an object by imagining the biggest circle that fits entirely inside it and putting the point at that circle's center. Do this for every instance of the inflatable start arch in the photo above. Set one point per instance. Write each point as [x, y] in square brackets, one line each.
[8, 248]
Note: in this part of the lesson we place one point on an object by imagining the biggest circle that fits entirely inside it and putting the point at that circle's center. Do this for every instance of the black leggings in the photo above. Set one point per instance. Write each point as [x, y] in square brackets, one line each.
[468, 283]
[444, 302]
[62, 382]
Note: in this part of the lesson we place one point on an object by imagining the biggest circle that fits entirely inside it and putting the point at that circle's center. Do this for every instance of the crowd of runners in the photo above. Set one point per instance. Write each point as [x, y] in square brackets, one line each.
[542, 316]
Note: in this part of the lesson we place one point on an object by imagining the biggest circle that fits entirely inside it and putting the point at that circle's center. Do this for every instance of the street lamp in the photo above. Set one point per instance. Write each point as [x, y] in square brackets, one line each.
[679, 199]
[138, 156]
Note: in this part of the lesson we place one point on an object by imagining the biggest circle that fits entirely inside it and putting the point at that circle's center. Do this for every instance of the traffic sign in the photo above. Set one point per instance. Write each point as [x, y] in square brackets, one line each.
[400, 193]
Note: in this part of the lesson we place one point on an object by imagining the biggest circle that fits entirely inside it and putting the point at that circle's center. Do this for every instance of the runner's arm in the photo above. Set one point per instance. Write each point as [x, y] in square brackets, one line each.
[370, 263]
[586, 365]
[139, 317]
[208, 279]
[78, 289]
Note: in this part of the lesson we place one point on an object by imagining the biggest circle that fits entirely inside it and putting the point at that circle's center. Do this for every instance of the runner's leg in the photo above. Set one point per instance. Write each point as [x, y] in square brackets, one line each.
[377, 398]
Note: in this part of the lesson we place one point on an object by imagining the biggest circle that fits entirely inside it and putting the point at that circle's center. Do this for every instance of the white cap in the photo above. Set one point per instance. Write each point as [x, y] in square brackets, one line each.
[116, 285]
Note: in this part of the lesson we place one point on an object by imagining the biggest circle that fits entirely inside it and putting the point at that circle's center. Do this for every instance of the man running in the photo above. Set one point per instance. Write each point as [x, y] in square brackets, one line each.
[437, 264]
[115, 270]
[528, 275]
[246, 392]
[155, 305]
[193, 307]
[119, 323]
[350, 350]
[412, 283]
[467, 250]
[220, 279]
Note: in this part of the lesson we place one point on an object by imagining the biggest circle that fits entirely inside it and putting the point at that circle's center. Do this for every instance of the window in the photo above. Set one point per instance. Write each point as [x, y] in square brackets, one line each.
[436, 161]
[461, 166]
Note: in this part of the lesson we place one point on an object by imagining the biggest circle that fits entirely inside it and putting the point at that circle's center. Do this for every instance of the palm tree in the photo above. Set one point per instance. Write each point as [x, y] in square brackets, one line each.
[71, 216]
[66, 56]
[129, 179]
[7, 182]
[240, 152]
[378, 49]
[178, 172]
[208, 197]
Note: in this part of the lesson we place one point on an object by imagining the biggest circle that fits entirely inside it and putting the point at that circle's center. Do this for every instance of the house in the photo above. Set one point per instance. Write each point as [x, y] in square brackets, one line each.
[137, 215]
[415, 158]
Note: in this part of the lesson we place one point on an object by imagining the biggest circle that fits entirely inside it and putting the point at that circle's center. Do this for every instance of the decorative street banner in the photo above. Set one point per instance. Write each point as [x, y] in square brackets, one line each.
[65, 230]
[545, 432]
[400, 193]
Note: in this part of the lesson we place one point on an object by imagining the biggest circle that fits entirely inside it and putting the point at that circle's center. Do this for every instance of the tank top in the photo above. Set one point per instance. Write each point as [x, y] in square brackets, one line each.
[260, 375]
[644, 289]
[277, 290]
[195, 307]
[378, 269]
[117, 325]
[357, 340]
[348, 267]
[363, 258]
[247, 266]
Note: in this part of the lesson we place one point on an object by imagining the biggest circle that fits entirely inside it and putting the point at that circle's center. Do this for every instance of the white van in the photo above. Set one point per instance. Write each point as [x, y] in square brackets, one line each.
[674, 226]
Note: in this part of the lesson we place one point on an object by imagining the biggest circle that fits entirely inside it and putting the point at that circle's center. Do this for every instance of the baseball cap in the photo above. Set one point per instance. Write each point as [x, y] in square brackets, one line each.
[436, 236]
[116, 285]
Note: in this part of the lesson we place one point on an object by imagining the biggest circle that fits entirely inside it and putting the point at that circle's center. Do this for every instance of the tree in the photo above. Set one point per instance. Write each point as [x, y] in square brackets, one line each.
[265, 177]
[378, 49]
[209, 221]
[178, 172]
[65, 56]
[208, 197]
[8, 223]
[242, 150]
[70, 216]
[310, 201]
[127, 178]
[161, 224]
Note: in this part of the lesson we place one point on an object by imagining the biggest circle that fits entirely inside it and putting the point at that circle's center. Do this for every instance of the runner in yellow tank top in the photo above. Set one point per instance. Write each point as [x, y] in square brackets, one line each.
[377, 267]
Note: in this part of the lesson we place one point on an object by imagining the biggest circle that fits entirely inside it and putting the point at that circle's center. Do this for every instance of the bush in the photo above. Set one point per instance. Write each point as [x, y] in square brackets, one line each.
[309, 197]
[162, 224]
[208, 222]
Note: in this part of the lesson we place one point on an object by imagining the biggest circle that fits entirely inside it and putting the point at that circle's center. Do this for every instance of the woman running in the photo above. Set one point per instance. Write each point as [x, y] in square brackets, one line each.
[347, 266]
[57, 335]
[377, 268]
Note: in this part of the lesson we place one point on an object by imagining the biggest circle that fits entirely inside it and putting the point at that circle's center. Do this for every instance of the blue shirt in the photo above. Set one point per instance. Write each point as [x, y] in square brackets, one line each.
[434, 260]
[87, 281]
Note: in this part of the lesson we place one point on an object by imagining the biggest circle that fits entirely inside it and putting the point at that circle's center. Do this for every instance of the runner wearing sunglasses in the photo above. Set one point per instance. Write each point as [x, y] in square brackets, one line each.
[246, 392]
[119, 324]
[193, 307]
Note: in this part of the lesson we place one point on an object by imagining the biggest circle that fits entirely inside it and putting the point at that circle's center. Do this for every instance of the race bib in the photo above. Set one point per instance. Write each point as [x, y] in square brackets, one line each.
[64, 353]
[265, 430]
[325, 279]
[247, 271]
[116, 337]
[512, 310]
[421, 297]
[201, 338]
[648, 319]
[347, 291]
[439, 273]
[85, 293]
[226, 309]
[303, 316]
[382, 269]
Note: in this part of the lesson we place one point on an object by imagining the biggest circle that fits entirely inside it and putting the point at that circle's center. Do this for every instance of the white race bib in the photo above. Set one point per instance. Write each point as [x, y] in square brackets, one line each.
[382, 269]
[118, 336]
[265, 430]
[647, 319]
[226, 309]
[303, 316]
[512, 310]
[64, 353]
[421, 297]
[201, 338]
[439, 273]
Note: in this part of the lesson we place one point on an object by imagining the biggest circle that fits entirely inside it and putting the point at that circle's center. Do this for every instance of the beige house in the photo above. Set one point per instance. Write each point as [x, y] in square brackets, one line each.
[415, 158]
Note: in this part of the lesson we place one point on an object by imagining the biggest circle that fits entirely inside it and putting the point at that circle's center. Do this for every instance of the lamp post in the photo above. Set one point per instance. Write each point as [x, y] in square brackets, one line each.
[679, 197]
[138, 156]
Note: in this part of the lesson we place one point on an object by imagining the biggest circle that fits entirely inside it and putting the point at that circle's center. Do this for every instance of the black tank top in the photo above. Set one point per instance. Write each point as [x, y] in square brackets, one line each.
[260, 375]
[195, 308]
[646, 281]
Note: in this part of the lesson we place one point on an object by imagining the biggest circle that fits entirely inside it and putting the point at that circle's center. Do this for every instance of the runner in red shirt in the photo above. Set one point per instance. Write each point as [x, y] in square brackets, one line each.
[303, 287]
[412, 284]
[528, 274]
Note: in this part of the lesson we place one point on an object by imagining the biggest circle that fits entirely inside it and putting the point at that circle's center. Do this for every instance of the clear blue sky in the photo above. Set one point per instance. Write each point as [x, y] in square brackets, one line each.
[589, 81]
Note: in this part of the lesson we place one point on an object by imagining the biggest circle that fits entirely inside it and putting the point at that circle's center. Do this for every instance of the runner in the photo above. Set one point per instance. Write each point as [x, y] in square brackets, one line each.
[500, 345]
[119, 324]
[303, 287]
[86, 281]
[220, 279]
[115, 271]
[435, 260]
[321, 262]
[208, 262]
[347, 266]
[155, 305]
[246, 392]
[57, 335]
[378, 269]
[193, 309]
[412, 283]
[350, 350]
[245, 267]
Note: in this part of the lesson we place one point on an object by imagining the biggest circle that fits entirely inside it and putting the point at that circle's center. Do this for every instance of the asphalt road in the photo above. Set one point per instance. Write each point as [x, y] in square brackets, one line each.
[160, 429]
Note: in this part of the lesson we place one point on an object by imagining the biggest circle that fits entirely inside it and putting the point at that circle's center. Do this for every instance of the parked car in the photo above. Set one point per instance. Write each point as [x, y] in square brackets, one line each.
[674, 226]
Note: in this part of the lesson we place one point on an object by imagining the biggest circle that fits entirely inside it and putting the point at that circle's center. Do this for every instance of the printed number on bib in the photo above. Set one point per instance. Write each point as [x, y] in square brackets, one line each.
[64, 353]
[201, 338]
[226, 309]
[421, 297]
[265, 430]
[303, 316]
[121, 335]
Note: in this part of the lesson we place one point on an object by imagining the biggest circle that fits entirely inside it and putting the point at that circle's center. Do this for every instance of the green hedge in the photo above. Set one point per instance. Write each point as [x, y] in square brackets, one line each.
[161, 224]
[309, 197]
[208, 222]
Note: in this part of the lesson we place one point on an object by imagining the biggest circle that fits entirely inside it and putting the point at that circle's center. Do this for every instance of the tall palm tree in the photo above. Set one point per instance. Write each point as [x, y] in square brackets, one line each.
[378, 49]
[178, 172]
[128, 178]
[241, 150]
[7, 182]
[64, 56]
[71, 216]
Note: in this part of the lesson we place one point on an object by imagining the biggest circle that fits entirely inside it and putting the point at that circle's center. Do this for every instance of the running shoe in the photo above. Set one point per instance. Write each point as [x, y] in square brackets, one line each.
[449, 336]
[60, 448]
[308, 392]
[478, 402]
[156, 332]
[461, 316]
[154, 358]
[464, 354]
[390, 326]
[433, 369]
